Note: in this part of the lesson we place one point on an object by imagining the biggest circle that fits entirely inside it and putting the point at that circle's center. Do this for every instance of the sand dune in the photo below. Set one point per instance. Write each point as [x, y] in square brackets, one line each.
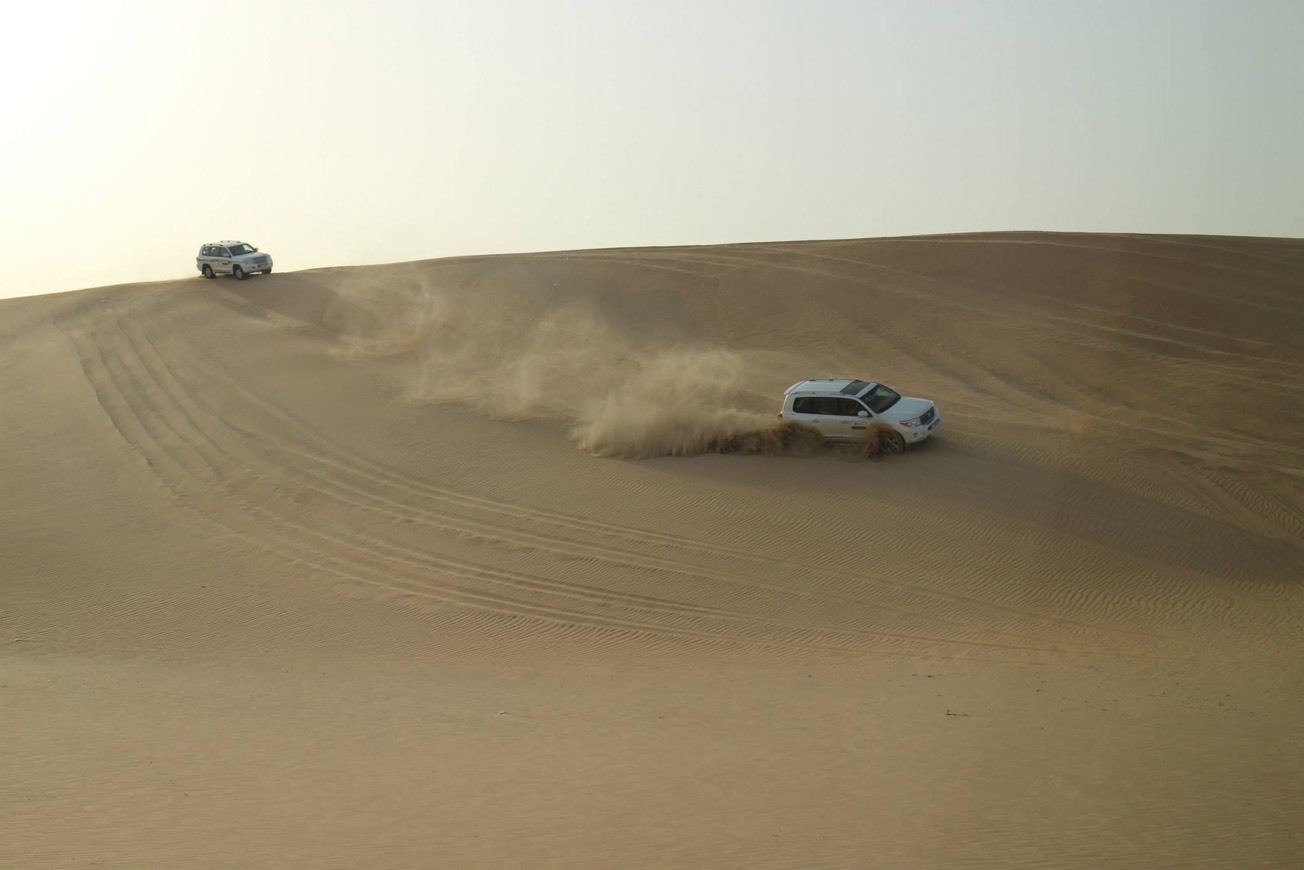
[441, 563]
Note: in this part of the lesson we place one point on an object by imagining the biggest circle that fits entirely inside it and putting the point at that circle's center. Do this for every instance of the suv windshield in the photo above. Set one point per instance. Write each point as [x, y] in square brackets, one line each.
[880, 398]
[237, 250]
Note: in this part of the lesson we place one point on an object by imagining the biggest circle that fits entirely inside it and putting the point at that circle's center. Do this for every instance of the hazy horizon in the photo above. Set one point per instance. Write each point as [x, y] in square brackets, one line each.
[337, 134]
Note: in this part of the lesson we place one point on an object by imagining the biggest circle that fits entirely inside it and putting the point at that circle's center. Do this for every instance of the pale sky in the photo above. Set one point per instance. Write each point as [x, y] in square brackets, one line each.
[338, 133]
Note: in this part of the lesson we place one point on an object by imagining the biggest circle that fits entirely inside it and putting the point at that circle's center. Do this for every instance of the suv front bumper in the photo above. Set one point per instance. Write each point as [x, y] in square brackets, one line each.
[919, 433]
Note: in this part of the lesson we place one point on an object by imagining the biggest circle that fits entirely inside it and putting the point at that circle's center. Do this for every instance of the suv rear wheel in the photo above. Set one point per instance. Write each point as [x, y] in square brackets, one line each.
[208, 271]
[237, 273]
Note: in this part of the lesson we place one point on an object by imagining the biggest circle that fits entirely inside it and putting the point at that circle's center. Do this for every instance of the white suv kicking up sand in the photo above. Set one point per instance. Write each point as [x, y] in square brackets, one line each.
[846, 409]
[231, 258]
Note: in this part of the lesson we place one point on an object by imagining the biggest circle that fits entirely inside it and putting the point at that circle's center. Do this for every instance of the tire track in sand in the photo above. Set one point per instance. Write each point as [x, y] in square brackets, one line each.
[194, 466]
[624, 556]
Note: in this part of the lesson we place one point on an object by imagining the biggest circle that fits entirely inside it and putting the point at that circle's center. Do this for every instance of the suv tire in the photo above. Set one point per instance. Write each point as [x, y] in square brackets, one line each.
[267, 271]
[893, 442]
[208, 271]
[237, 273]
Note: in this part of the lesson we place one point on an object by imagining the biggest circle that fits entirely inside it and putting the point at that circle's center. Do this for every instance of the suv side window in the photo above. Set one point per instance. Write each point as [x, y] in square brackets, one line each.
[824, 406]
[827, 406]
[839, 407]
[223, 252]
[851, 408]
[832, 406]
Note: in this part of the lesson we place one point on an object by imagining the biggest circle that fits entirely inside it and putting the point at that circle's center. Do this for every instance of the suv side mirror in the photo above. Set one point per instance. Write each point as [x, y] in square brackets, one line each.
[862, 413]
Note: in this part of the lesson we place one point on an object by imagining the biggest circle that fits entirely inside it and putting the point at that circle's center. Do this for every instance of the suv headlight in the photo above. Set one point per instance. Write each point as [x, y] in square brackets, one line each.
[910, 424]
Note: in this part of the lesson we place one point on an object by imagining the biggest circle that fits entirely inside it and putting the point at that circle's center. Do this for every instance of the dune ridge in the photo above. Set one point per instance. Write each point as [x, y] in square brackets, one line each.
[506, 560]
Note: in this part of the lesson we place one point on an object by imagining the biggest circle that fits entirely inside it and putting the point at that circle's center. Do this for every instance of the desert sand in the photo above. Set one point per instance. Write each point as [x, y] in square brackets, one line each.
[433, 565]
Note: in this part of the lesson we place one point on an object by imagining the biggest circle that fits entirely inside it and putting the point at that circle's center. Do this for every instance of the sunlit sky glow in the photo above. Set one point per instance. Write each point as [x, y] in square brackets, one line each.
[335, 133]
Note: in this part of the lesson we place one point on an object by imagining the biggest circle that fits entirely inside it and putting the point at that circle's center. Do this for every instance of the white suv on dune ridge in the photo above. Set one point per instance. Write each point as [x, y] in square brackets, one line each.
[231, 257]
[848, 410]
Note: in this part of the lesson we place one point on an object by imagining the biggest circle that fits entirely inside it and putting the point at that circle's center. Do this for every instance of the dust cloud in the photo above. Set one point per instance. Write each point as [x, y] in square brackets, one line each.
[624, 388]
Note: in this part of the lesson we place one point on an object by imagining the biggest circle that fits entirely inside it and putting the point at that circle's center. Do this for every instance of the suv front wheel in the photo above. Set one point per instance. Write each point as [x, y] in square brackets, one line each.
[237, 273]
[892, 442]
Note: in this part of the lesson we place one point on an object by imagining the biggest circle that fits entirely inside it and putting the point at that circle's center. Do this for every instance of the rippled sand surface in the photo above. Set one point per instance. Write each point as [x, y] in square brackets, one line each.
[439, 564]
